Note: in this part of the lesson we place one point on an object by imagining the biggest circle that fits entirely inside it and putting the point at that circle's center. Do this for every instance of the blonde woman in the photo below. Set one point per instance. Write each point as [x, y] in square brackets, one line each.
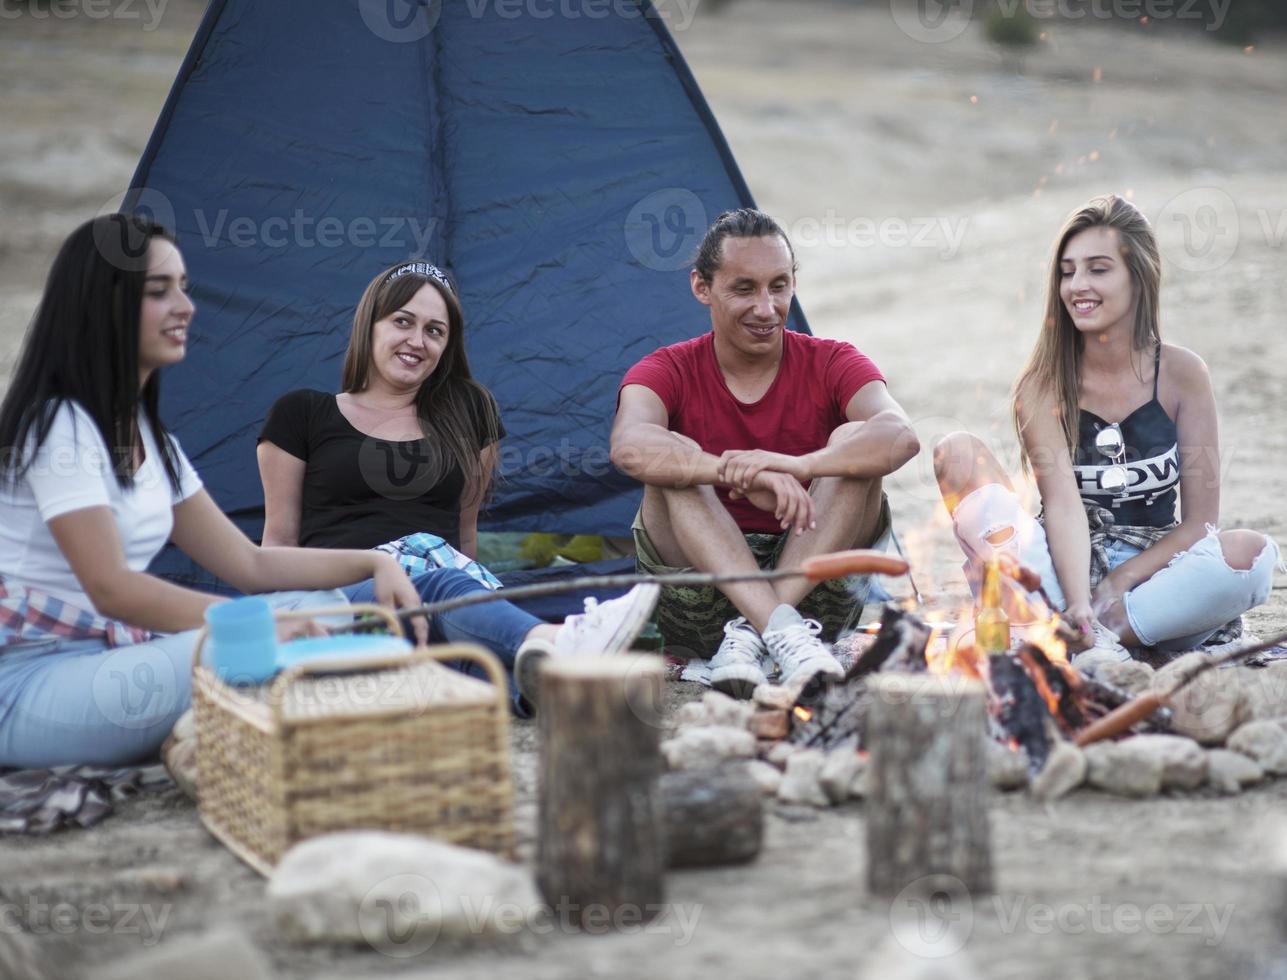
[1120, 432]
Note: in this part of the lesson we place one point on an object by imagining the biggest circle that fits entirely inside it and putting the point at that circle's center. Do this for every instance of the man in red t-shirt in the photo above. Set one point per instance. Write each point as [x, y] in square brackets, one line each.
[757, 446]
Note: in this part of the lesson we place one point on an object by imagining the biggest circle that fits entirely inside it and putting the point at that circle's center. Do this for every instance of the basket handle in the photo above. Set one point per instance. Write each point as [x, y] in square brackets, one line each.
[312, 612]
[443, 654]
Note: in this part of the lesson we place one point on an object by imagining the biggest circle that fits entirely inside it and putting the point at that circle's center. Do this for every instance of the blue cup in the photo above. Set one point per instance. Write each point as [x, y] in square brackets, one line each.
[243, 640]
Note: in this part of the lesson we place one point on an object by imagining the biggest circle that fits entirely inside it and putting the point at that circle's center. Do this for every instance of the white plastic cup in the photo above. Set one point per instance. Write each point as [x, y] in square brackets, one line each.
[243, 640]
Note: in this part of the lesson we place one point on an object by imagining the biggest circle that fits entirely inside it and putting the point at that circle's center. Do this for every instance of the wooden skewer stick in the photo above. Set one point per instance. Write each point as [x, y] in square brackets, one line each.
[1121, 719]
[819, 568]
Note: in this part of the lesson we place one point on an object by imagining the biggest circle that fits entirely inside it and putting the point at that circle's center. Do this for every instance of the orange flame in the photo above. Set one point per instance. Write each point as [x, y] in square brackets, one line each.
[803, 713]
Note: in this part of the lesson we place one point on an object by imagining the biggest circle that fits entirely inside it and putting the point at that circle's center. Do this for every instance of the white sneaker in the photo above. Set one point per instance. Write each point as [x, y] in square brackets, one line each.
[608, 627]
[604, 627]
[735, 668]
[800, 654]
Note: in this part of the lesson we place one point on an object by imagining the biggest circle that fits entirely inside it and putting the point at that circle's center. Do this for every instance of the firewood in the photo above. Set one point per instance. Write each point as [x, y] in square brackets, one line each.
[601, 821]
[927, 791]
[713, 816]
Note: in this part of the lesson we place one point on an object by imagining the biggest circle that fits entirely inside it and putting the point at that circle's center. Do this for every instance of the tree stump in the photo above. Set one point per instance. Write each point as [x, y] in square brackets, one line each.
[713, 816]
[927, 802]
[601, 823]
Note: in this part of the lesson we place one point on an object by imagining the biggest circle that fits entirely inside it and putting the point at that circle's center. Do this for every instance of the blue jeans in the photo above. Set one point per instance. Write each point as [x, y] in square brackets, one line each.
[79, 702]
[1176, 608]
[498, 627]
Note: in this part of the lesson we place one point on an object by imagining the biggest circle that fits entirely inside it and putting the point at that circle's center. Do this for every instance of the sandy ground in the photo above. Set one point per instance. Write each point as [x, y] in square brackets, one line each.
[922, 217]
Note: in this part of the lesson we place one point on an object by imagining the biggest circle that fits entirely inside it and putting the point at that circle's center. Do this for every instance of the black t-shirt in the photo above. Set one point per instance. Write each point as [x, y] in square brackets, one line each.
[361, 491]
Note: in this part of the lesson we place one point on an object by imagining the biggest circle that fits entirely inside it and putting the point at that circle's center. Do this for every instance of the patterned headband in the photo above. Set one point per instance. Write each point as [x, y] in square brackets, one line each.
[427, 269]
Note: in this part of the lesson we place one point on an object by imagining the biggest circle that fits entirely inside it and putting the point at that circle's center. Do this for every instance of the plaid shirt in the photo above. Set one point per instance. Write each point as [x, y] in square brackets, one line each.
[424, 551]
[29, 614]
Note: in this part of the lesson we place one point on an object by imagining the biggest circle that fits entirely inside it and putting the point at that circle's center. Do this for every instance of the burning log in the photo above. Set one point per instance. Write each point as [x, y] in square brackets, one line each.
[601, 838]
[713, 816]
[831, 716]
[1059, 686]
[900, 645]
[1018, 708]
[928, 783]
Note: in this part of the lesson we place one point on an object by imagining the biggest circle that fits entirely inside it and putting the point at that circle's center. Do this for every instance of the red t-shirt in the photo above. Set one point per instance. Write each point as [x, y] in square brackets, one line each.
[803, 406]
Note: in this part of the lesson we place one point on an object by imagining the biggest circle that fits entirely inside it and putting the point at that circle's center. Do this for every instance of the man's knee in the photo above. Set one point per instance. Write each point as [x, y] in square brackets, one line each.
[1241, 548]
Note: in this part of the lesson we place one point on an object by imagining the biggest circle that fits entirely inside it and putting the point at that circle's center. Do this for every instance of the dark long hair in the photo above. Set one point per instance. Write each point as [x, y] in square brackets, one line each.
[83, 347]
[453, 408]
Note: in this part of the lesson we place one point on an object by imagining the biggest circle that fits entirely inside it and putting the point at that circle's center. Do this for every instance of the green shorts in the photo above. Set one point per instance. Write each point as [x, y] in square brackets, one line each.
[691, 618]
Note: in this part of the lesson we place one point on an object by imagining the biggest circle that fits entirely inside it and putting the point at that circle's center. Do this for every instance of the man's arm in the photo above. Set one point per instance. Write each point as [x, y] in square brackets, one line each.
[876, 441]
[645, 449]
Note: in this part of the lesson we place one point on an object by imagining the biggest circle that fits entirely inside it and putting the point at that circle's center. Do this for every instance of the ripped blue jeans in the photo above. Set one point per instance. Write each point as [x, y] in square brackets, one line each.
[1177, 608]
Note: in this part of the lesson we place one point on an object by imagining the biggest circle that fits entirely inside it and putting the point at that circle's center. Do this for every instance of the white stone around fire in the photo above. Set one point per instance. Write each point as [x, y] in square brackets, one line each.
[707, 746]
[1184, 763]
[378, 887]
[1207, 708]
[1007, 767]
[842, 768]
[1228, 771]
[1264, 741]
[1264, 692]
[1064, 771]
[780, 753]
[802, 782]
[723, 710]
[1131, 676]
[774, 696]
[1117, 768]
[769, 778]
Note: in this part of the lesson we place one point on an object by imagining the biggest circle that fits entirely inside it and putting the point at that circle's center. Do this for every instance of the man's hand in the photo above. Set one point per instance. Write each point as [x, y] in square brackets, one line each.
[782, 494]
[739, 467]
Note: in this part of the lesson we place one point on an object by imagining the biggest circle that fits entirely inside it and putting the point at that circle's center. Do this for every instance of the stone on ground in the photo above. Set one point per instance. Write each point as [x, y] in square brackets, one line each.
[390, 890]
[1064, 771]
[1264, 741]
[1115, 768]
[801, 784]
[1228, 772]
[703, 748]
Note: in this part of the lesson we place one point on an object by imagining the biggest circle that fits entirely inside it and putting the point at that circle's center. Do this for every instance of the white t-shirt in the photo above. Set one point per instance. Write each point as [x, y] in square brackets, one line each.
[70, 471]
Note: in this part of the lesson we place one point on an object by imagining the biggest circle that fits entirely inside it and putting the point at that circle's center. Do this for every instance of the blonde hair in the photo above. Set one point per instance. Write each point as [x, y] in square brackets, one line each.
[1055, 362]
[453, 409]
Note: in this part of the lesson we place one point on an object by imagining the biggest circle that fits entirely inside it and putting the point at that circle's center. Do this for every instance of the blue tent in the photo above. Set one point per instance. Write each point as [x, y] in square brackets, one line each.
[556, 156]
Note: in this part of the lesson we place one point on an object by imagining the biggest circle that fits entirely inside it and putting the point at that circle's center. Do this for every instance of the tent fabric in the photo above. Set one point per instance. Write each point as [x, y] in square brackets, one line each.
[562, 168]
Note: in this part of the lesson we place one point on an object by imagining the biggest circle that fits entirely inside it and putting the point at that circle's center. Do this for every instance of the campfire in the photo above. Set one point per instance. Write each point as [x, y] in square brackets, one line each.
[1035, 696]
[1142, 731]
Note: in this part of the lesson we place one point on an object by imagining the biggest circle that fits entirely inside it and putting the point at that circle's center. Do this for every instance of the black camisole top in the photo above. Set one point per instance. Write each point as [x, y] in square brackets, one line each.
[1152, 463]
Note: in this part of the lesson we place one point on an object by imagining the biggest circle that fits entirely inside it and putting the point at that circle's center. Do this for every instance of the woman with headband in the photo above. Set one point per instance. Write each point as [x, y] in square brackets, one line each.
[401, 459]
[1120, 431]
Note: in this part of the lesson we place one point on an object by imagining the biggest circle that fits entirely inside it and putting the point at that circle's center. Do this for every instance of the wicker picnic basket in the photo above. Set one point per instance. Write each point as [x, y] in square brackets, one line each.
[402, 743]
